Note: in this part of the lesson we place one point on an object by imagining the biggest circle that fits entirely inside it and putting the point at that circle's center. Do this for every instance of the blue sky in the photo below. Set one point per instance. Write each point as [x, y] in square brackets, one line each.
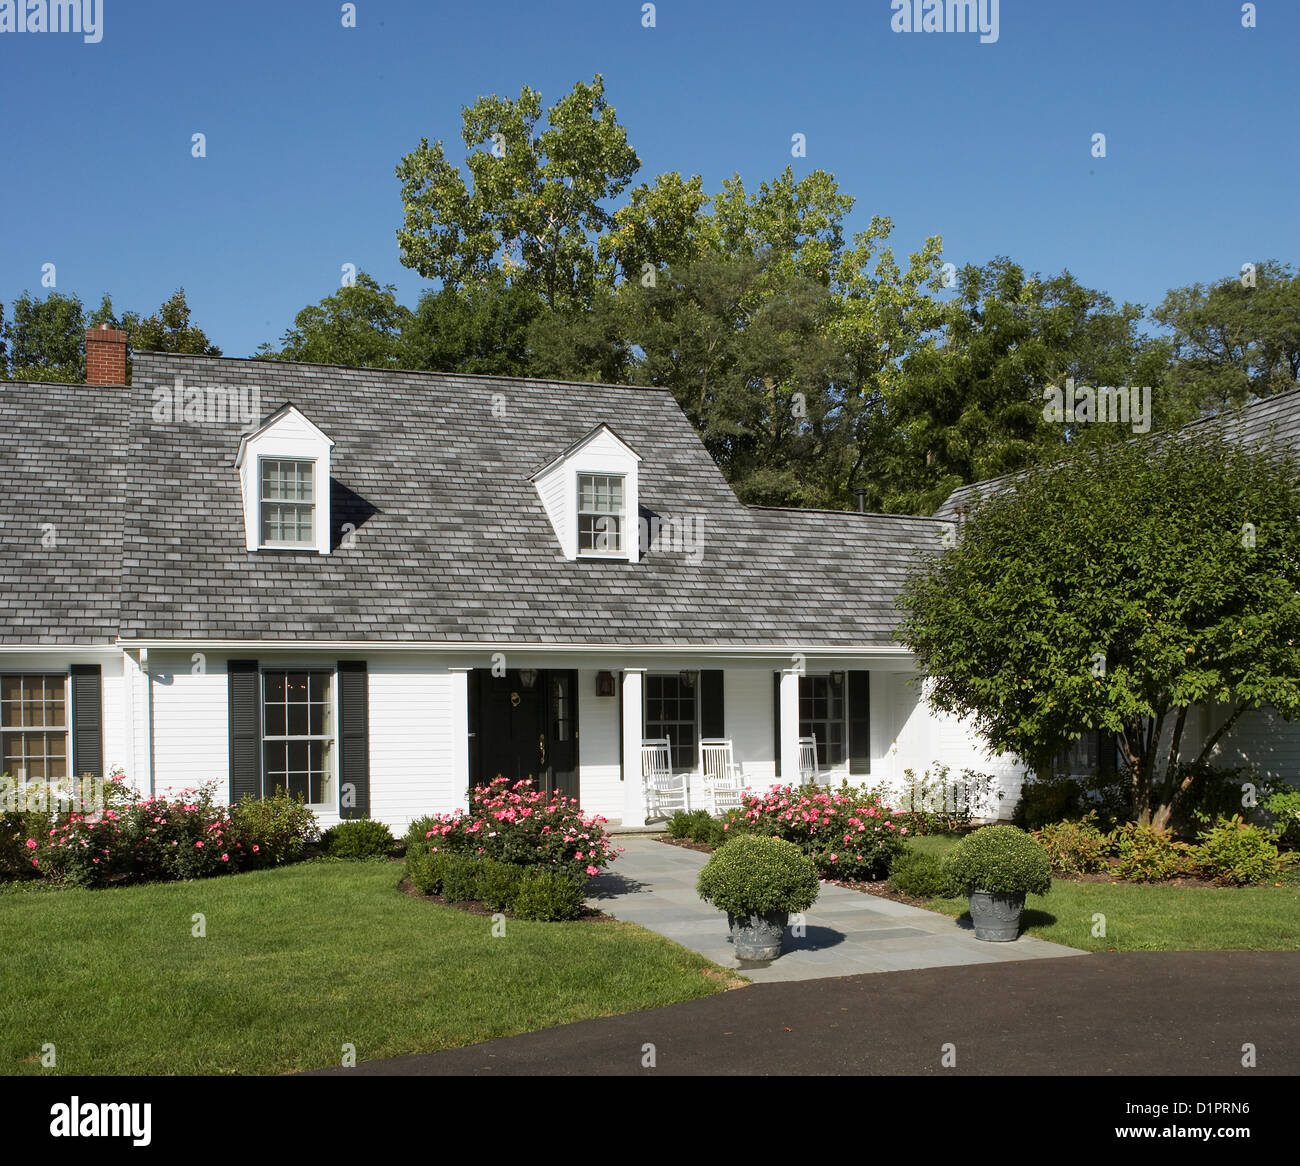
[988, 145]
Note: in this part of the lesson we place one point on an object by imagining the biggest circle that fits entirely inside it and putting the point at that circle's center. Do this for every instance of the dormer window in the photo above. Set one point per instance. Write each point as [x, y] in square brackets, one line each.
[288, 503]
[602, 514]
[284, 475]
[591, 495]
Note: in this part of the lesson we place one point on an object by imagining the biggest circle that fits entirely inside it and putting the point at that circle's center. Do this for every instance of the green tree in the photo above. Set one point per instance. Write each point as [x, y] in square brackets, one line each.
[1115, 592]
[47, 339]
[167, 330]
[534, 203]
[360, 325]
[481, 327]
[1233, 341]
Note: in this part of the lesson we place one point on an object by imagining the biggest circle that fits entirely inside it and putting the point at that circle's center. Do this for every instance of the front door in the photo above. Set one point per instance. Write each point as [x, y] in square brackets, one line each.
[528, 730]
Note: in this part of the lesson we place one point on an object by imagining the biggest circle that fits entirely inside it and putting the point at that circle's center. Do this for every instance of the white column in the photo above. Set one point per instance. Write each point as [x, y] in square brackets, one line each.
[633, 732]
[458, 731]
[789, 726]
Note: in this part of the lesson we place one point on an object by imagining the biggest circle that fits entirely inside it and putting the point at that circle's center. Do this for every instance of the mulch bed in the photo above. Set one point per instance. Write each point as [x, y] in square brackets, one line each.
[473, 907]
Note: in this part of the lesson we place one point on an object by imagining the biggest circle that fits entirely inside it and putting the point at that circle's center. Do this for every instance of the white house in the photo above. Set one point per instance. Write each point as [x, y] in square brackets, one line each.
[378, 588]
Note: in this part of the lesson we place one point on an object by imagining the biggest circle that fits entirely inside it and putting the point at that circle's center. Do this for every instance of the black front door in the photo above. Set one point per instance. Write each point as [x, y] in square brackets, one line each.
[528, 731]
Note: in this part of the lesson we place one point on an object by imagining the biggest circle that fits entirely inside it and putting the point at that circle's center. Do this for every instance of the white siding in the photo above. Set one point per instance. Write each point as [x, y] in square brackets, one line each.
[747, 713]
[600, 790]
[191, 723]
[411, 739]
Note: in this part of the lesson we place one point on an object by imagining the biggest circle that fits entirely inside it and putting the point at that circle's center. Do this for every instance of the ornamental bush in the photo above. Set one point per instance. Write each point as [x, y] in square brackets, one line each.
[1284, 807]
[362, 838]
[849, 834]
[1148, 855]
[498, 884]
[547, 896]
[426, 871]
[1001, 860]
[1234, 853]
[460, 878]
[757, 874]
[527, 827]
[919, 875]
[274, 829]
[698, 826]
[20, 831]
[1077, 847]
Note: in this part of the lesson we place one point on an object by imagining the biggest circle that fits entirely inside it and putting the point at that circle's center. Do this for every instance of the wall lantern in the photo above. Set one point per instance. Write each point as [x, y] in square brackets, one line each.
[837, 678]
[604, 684]
[687, 679]
[528, 677]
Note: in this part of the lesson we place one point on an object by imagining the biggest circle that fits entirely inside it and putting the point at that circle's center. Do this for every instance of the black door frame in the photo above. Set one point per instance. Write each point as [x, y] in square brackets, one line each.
[531, 741]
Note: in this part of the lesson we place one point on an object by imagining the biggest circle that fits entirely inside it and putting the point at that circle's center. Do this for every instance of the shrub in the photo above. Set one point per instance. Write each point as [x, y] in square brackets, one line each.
[275, 829]
[1148, 855]
[460, 878]
[1001, 860]
[754, 874]
[918, 874]
[521, 825]
[848, 834]
[1234, 853]
[418, 832]
[185, 837]
[21, 833]
[1284, 806]
[698, 826]
[1214, 794]
[362, 838]
[426, 871]
[1077, 847]
[1047, 799]
[547, 896]
[498, 883]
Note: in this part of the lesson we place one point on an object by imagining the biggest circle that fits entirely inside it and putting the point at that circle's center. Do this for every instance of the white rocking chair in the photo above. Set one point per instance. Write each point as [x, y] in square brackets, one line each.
[664, 793]
[808, 768]
[719, 774]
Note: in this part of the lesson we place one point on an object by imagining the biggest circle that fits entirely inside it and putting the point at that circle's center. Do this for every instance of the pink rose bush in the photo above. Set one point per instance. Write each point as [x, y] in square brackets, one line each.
[524, 826]
[848, 834]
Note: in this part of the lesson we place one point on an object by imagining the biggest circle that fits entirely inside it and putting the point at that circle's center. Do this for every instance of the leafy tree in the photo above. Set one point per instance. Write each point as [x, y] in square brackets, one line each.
[1233, 341]
[534, 204]
[1114, 592]
[481, 327]
[360, 326]
[581, 344]
[167, 330]
[966, 404]
[47, 339]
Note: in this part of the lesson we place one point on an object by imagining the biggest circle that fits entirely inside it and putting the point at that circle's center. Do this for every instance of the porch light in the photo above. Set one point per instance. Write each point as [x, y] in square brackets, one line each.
[604, 684]
[528, 677]
[687, 679]
[837, 678]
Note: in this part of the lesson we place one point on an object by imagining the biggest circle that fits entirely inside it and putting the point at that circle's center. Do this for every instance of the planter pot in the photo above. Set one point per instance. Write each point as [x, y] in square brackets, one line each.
[758, 937]
[996, 917]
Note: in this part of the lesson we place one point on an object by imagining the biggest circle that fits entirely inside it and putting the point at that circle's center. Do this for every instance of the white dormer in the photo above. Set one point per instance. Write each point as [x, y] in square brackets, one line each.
[591, 497]
[284, 470]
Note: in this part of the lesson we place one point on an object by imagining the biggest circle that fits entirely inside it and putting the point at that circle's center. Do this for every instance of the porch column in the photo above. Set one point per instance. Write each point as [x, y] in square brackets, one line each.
[633, 732]
[458, 731]
[790, 726]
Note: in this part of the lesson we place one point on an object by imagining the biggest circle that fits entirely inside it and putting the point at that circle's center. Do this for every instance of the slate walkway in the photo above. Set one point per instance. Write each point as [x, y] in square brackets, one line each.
[847, 932]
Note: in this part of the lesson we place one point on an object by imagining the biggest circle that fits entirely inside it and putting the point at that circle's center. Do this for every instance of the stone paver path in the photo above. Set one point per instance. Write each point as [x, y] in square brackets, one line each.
[847, 932]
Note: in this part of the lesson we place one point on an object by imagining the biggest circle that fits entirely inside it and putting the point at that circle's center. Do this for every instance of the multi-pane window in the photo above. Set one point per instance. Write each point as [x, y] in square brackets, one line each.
[288, 503]
[298, 735]
[34, 727]
[601, 514]
[821, 714]
[671, 710]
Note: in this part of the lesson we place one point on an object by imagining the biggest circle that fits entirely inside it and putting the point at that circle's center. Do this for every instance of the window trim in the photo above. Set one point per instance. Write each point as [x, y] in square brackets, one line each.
[334, 738]
[262, 502]
[578, 513]
[69, 761]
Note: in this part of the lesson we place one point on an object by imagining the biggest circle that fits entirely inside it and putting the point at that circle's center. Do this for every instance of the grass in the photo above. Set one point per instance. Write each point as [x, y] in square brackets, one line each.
[296, 964]
[1160, 917]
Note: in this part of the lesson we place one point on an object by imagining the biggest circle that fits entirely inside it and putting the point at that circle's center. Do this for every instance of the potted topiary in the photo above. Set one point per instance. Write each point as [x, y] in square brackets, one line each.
[997, 867]
[758, 882]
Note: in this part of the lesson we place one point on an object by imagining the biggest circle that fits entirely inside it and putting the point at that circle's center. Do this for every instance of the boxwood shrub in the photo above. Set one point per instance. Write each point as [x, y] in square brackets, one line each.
[1002, 860]
[754, 874]
[547, 896]
[1234, 853]
[918, 874]
[498, 884]
[362, 838]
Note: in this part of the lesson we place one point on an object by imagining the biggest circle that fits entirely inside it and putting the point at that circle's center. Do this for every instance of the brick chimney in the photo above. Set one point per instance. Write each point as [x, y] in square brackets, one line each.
[105, 356]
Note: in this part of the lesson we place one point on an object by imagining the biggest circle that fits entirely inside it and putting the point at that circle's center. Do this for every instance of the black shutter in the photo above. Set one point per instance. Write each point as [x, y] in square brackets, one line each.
[858, 700]
[776, 720]
[354, 739]
[618, 689]
[471, 715]
[713, 721]
[87, 721]
[245, 730]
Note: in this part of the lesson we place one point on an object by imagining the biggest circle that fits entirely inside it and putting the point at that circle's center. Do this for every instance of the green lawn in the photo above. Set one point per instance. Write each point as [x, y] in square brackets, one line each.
[297, 963]
[1161, 918]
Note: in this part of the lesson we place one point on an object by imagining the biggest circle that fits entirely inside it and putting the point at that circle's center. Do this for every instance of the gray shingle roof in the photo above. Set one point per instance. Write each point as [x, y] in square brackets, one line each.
[1272, 421]
[451, 542]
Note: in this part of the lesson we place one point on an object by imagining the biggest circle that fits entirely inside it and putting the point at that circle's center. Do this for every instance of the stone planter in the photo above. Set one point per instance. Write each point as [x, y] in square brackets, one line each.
[758, 937]
[996, 917]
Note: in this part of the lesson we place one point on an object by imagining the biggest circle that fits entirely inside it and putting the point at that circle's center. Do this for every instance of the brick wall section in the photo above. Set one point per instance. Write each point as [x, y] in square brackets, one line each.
[105, 356]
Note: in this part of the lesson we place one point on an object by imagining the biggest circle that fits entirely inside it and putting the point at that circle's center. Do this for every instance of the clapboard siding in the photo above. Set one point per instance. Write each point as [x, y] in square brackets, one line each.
[191, 723]
[599, 789]
[410, 741]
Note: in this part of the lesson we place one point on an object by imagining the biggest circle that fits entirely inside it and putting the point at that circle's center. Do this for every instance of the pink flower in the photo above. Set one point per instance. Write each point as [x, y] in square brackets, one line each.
[198, 845]
[256, 849]
[591, 870]
[31, 843]
[904, 830]
[225, 858]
